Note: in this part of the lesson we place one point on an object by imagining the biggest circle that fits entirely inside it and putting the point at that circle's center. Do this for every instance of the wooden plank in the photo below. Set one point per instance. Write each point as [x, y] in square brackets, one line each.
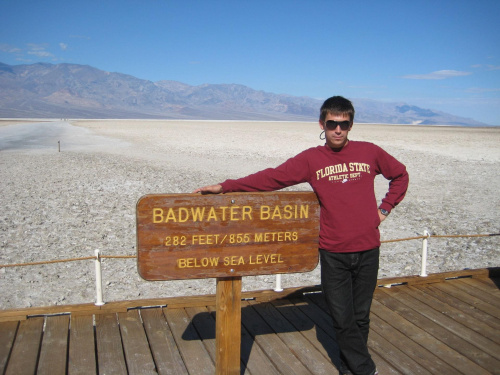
[395, 355]
[458, 293]
[321, 335]
[253, 358]
[204, 323]
[481, 341]
[193, 352]
[12, 318]
[492, 284]
[24, 355]
[458, 315]
[382, 365]
[54, 351]
[314, 306]
[310, 357]
[135, 344]
[7, 334]
[23, 313]
[426, 340]
[271, 344]
[466, 308]
[418, 352]
[178, 303]
[466, 286]
[486, 287]
[109, 345]
[163, 347]
[410, 311]
[82, 356]
[305, 324]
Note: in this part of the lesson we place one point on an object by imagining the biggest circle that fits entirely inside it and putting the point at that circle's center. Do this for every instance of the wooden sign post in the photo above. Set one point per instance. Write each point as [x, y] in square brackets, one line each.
[228, 326]
[226, 236]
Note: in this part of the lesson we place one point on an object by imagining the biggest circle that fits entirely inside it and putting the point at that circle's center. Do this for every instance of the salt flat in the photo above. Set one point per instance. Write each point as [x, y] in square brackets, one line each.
[58, 205]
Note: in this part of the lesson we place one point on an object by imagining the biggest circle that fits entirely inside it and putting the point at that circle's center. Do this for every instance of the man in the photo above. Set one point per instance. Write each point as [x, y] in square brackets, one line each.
[342, 174]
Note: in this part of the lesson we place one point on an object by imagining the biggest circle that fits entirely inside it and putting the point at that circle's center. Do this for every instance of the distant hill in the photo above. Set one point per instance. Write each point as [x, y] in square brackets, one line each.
[81, 91]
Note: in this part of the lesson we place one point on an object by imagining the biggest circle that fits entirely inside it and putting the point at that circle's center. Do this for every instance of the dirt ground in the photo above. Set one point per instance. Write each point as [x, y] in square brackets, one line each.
[71, 187]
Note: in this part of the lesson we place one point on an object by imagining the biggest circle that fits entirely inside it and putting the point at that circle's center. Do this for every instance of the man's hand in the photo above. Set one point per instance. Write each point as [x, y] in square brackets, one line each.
[210, 189]
[381, 216]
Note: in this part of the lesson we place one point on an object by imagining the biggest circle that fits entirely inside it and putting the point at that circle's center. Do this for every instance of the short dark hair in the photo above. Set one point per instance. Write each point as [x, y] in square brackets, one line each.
[337, 105]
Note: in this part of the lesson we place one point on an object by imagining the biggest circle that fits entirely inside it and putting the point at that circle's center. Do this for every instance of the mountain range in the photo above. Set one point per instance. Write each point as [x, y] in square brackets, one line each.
[44, 90]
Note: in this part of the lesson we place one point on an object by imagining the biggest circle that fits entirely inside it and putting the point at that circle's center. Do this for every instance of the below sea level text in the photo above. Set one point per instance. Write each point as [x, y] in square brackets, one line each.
[235, 260]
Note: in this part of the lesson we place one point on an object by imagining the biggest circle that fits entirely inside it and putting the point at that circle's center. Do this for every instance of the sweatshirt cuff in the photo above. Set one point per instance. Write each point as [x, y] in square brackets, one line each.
[225, 187]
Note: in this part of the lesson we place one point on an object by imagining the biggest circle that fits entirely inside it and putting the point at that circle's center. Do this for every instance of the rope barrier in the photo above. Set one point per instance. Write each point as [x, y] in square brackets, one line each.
[45, 262]
[118, 256]
[66, 260]
[464, 235]
[404, 239]
[441, 236]
[134, 256]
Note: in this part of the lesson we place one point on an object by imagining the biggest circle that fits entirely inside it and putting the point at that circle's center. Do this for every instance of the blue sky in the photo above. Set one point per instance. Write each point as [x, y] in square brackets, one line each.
[442, 55]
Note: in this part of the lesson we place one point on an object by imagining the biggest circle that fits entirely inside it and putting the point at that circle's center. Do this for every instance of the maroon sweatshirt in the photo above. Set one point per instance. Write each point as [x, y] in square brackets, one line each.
[344, 183]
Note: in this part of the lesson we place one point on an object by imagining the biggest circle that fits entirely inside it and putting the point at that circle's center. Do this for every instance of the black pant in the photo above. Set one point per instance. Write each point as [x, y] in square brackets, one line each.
[348, 281]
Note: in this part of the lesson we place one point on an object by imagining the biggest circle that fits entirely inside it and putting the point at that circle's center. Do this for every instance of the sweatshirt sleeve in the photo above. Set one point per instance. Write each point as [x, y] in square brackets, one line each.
[398, 177]
[292, 172]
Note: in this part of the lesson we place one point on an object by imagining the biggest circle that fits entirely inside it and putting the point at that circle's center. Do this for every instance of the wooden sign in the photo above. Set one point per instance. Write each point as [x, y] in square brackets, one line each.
[188, 236]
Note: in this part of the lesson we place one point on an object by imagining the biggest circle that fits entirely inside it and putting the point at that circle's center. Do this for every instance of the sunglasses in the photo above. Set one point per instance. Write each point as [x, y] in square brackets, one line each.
[332, 125]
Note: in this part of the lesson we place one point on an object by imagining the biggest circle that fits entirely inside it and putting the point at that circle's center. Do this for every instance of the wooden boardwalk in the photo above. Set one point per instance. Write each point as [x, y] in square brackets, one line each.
[443, 324]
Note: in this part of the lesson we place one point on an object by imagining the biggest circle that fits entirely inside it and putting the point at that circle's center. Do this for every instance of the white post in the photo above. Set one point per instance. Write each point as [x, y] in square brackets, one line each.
[278, 283]
[98, 279]
[423, 271]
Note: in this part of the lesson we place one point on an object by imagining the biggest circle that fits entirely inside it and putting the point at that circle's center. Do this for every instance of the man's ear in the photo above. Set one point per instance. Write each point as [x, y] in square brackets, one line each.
[322, 127]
